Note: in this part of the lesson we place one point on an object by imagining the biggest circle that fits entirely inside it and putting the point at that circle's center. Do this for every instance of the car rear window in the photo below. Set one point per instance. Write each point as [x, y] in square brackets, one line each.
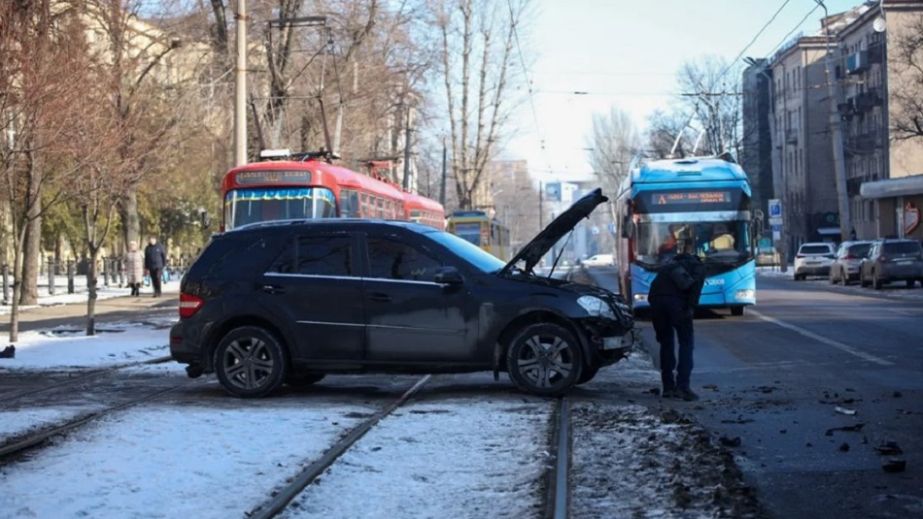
[814, 249]
[229, 254]
[901, 247]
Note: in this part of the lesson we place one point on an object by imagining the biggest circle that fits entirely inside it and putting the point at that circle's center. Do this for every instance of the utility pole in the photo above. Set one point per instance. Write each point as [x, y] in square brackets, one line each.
[540, 206]
[240, 87]
[407, 150]
[445, 154]
[836, 134]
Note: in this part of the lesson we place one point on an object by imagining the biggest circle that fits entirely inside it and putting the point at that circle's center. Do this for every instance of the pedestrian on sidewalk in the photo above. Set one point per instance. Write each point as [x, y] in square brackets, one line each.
[134, 268]
[673, 297]
[154, 260]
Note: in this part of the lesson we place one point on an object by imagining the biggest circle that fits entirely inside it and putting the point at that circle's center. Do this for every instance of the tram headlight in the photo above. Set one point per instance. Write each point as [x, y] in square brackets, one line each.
[596, 307]
[745, 294]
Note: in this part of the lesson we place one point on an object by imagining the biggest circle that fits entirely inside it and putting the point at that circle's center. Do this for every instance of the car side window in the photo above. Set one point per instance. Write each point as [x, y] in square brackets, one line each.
[317, 256]
[389, 259]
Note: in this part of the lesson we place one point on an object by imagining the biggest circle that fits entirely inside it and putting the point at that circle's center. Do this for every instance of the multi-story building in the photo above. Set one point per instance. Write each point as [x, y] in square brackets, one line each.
[802, 141]
[756, 156]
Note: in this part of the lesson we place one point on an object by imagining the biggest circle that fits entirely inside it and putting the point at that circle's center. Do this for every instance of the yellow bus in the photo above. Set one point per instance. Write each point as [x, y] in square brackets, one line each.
[477, 228]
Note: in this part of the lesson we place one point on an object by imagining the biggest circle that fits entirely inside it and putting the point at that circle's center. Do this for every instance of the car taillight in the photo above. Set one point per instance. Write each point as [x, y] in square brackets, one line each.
[850, 256]
[189, 305]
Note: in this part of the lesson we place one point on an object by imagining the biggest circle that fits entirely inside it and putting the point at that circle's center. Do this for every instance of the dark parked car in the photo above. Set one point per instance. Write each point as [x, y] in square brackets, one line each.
[892, 260]
[289, 302]
[845, 268]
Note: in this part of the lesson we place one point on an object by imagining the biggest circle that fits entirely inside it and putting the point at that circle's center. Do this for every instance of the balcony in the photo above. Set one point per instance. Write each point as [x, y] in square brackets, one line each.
[857, 62]
[867, 100]
[862, 144]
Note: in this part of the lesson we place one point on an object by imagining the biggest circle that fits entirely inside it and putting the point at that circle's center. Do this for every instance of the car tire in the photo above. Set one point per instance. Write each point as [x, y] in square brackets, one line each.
[876, 282]
[831, 277]
[538, 347]
[303, 379]
[910, 283]
[737, 311]
[250, 362]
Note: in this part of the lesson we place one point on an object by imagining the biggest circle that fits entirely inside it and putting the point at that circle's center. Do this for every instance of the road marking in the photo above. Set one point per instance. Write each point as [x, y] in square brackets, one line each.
[820, 338]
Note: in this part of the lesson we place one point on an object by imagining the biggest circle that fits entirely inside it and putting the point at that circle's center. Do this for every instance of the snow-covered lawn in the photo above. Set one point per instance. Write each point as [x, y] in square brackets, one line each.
[186, 461]
[461, 457]
[115, 343]
[61, 296]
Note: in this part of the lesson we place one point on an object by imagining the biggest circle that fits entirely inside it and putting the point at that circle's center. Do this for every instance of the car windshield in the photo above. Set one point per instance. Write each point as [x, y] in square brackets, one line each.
[245, 206]
[717, 242]
[814, 249]
[861, 250]
[470, 253]
[902, 247]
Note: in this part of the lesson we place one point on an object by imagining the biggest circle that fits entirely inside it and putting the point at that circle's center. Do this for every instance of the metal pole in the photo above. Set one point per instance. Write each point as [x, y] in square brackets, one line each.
[240, 87]
[540, 208]
[70, 276]
[407, 151]
[6, 284]
[836, 134]
[445, 153]
[51, 275]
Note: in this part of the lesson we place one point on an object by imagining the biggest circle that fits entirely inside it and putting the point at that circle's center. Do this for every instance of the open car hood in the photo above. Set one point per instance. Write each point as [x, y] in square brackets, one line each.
[534, 250]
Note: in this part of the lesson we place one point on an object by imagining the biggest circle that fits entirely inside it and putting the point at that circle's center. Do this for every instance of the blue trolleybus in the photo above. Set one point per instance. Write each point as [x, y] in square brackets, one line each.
[703, 201]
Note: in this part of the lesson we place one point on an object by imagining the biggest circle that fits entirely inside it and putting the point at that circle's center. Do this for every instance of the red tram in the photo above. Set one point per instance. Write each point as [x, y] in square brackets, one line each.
[313, 188]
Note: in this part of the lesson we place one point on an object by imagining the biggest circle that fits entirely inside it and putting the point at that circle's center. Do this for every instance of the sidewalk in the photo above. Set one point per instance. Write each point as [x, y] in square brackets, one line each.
[74, 313]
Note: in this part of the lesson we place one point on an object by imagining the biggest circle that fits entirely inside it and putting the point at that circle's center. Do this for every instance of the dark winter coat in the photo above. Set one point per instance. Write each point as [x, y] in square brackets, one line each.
[154, 257]
[682, 277]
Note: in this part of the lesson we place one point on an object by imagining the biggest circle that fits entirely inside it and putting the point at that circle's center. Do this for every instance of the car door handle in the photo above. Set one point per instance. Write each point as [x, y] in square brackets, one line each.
[378, 297]
[273, 289]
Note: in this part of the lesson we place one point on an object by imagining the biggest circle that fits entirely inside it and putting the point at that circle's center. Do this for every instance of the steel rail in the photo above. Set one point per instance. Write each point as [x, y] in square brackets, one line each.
[281, 498]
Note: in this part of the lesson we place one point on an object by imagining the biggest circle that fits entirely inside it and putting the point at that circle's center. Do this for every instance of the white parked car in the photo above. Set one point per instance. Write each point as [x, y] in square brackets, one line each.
[814, 259]
[599, 260]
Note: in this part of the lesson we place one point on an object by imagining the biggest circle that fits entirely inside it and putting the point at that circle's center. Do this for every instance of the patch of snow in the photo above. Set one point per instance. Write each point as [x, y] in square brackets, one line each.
[173, 462]
[16, 423]
[170, 368]
[629, 462]
[774, 272]
[61, 347]
[454, 458]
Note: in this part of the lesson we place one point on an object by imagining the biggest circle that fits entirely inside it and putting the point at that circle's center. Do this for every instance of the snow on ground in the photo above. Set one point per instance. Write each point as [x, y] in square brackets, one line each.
[173, 462]
[17, 423]
[115, 343]
[453, 458]
[629, 462]
[61, 296]
[774, 272]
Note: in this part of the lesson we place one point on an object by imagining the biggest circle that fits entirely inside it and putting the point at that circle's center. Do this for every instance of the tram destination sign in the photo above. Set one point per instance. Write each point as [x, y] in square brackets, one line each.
[273, 177]
[692, 200]
[690, 197]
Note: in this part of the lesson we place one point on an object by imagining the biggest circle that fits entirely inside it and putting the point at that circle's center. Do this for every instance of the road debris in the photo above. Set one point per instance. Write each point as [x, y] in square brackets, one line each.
[730, 442]
[889, 448]
[846, 411]
[844, 447]
[846, 428]
[894, 465]
[897, 394]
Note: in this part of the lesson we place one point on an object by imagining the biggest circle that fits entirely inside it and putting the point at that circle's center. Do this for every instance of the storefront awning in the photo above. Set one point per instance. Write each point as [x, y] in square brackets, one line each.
[892, 188]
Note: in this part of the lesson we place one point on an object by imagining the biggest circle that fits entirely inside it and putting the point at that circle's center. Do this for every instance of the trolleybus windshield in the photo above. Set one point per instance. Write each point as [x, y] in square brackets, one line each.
[244, 206]
[715, 242]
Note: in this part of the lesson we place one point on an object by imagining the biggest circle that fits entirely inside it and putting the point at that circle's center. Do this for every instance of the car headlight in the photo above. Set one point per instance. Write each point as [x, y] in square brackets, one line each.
[596, 306]
[748, 293]
[640, 298]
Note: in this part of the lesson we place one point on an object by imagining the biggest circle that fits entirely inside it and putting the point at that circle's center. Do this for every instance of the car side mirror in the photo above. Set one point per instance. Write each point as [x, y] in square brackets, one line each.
[448, 276]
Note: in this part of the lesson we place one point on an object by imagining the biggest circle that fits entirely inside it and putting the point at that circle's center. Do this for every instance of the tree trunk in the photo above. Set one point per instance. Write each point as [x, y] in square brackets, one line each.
[17, 270]
[128, 212]
[91, 292]
[32, 248]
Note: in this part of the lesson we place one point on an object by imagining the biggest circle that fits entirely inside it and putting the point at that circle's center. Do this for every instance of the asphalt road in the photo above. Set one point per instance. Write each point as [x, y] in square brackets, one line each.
[775, 376]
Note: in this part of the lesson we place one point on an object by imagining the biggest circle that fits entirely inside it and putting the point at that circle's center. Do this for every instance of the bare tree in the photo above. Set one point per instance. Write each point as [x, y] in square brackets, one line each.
[613, 143]
[906, 70]
[710, 92]
[477, 88]
[41, 104]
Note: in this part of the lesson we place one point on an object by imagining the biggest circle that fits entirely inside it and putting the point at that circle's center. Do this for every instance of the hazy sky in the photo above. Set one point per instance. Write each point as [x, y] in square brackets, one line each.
[626, 53]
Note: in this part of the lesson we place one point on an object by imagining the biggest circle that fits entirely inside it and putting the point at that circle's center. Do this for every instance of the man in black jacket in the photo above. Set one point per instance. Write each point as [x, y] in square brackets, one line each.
[673, 297]
[154, 260]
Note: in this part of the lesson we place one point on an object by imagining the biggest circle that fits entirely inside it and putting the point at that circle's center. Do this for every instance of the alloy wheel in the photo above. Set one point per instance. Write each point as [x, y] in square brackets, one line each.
[248, 363]
[545, 361]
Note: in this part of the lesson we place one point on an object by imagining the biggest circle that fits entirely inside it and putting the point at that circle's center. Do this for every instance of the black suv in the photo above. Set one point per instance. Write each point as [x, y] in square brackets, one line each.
[289, 302]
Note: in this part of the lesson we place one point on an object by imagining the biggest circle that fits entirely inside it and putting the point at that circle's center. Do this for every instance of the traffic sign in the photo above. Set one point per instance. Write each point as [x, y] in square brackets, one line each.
[775, 208]
[775, 220]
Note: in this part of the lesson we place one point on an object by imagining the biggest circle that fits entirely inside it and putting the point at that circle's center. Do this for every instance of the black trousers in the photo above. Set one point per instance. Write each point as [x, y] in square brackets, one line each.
[156, 278]
[672, 317]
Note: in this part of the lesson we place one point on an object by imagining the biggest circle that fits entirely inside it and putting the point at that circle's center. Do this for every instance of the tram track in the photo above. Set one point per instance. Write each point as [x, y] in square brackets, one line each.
[557, 478]
[19, 445]
[9, 400]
